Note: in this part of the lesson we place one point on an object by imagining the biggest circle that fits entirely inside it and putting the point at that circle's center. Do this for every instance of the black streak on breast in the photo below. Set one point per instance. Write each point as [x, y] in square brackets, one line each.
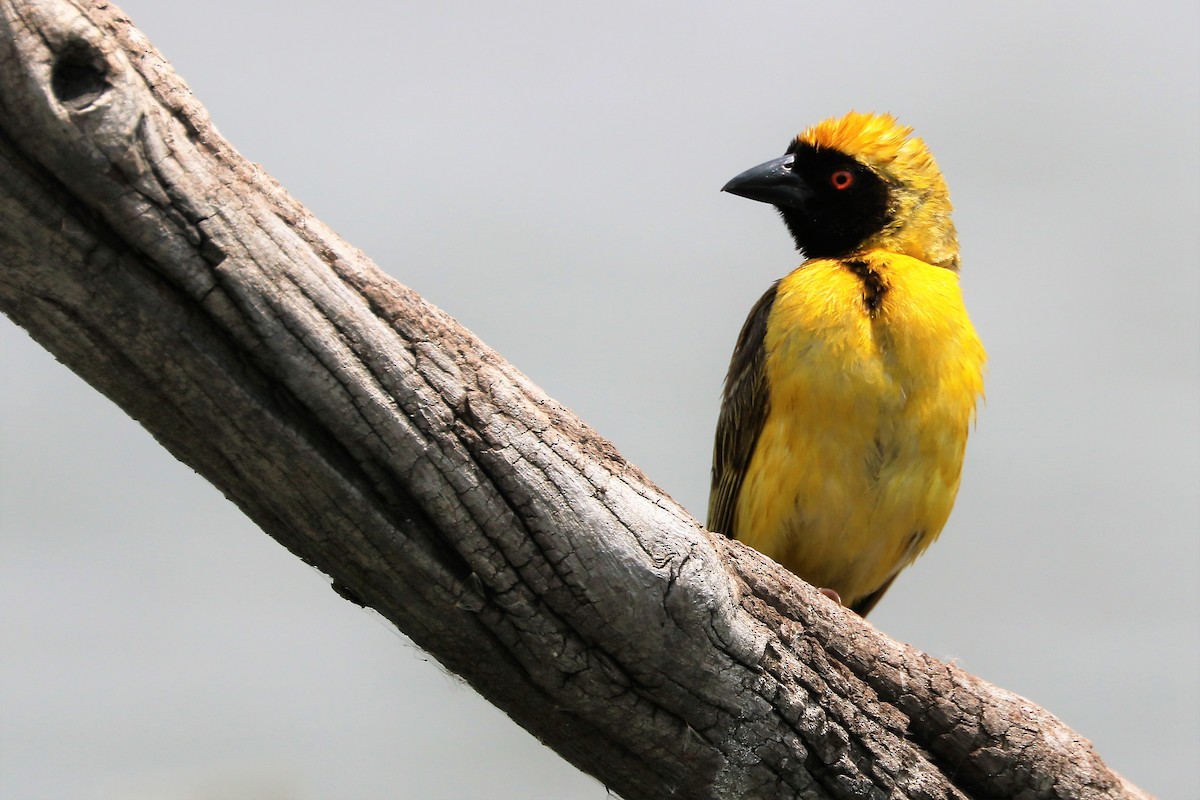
[872, 282]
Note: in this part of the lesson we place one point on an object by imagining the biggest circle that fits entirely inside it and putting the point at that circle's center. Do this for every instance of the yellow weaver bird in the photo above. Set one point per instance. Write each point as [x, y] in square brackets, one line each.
[844, 418]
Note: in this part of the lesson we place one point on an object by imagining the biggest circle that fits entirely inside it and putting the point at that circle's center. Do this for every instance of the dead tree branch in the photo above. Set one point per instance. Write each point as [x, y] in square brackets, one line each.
[381, 442]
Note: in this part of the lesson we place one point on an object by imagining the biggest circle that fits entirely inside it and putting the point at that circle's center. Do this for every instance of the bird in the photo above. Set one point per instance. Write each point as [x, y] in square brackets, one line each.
[855, 378]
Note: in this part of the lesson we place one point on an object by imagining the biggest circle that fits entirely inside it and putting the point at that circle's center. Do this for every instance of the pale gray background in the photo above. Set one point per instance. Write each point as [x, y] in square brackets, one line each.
[548, 173]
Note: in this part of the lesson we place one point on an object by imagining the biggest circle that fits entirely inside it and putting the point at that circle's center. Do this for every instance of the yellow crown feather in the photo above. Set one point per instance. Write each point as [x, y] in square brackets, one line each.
[921, 201]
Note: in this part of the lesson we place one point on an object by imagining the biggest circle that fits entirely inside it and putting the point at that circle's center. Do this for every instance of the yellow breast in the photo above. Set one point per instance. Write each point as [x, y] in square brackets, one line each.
[873, 372]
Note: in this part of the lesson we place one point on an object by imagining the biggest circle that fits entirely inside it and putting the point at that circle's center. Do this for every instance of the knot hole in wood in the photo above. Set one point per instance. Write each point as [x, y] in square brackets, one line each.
[80, 75]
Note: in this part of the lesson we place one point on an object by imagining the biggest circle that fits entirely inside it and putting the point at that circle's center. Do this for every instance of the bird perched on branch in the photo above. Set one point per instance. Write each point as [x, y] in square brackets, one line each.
[845, 412]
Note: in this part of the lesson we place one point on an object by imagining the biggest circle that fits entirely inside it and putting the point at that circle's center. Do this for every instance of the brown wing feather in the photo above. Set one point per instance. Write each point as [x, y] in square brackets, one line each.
[864, 606]
[743, 411]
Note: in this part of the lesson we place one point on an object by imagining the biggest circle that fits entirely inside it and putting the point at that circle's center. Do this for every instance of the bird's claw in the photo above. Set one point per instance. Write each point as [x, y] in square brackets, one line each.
[831, 594]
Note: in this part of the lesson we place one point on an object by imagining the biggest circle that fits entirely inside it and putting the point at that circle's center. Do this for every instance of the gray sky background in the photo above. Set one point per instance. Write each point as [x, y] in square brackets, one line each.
[549, 173]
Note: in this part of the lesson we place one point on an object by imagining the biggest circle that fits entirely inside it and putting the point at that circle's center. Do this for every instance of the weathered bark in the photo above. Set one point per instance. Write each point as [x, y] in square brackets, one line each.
[381, 442]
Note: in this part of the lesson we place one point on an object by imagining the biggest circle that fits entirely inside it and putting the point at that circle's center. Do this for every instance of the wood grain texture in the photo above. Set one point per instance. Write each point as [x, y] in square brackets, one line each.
[384, 444]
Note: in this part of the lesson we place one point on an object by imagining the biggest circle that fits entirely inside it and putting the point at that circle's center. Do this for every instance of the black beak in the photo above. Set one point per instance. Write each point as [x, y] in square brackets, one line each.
[773, 182]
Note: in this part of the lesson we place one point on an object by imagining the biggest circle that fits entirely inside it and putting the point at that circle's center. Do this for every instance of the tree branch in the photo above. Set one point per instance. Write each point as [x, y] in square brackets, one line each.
[381, 442]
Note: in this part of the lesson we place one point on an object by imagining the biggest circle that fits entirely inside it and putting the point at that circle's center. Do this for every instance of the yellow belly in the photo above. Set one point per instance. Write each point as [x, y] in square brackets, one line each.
[858, 462]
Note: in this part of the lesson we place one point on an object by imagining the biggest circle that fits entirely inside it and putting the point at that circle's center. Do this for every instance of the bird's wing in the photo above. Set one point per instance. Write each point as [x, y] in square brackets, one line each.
[743, 411]
[864, 606]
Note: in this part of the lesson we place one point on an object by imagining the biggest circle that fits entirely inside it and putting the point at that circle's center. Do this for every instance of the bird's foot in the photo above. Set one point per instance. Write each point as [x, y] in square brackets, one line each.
[831, 594]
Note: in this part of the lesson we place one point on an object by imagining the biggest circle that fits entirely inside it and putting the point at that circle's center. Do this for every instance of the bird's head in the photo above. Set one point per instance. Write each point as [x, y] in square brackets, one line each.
[855, 183]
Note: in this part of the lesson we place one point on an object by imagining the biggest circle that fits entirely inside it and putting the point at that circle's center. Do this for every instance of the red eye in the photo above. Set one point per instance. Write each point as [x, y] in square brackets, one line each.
[842, 179]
